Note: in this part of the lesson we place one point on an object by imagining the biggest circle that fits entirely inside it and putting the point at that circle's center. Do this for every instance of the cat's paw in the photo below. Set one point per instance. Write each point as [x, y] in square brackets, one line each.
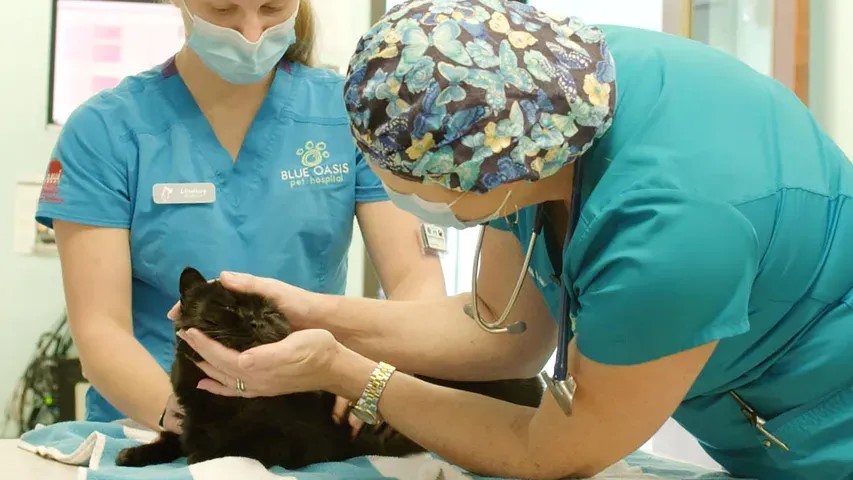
[131, 457]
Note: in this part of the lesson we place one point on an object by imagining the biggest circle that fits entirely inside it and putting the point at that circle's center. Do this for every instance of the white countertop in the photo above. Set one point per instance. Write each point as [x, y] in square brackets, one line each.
[18, 464]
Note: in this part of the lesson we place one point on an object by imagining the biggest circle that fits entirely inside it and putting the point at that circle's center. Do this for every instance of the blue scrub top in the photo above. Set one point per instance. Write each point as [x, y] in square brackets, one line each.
[716, 208]
[283, 210]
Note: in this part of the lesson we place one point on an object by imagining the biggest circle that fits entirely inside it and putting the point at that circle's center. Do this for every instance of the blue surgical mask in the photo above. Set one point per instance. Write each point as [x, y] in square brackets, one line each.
[438, 213]
[237, 60]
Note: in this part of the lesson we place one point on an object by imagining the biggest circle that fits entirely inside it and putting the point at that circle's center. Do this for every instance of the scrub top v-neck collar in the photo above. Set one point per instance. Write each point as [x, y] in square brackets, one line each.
[259, 141]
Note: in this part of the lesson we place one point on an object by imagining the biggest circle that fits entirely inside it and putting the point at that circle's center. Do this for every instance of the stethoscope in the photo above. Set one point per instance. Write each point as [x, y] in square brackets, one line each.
[561, 385]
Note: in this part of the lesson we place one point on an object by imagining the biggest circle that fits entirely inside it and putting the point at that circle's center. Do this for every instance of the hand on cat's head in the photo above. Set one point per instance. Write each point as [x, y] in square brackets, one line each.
[238, 320]
[302, 362]
[296, 304]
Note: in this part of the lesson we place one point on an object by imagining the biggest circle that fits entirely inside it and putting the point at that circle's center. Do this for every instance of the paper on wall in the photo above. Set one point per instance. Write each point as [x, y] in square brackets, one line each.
[29, 237]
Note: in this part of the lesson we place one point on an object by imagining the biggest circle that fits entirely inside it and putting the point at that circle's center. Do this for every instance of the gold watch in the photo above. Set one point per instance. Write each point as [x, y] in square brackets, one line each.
[367, 407]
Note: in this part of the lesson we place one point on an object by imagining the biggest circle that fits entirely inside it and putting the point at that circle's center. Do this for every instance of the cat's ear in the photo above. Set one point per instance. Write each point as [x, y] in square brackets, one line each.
[190, 278]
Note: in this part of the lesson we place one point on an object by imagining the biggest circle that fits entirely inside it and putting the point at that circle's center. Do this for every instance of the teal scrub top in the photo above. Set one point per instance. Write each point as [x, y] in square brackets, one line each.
[284, 209]
[716, 208]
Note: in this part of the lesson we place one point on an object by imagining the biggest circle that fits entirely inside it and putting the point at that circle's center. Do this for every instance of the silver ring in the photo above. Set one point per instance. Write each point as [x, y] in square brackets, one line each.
[241, 386]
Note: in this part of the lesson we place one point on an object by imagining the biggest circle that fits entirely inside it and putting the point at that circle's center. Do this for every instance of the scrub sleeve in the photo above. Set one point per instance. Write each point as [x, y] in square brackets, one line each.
[87, 176]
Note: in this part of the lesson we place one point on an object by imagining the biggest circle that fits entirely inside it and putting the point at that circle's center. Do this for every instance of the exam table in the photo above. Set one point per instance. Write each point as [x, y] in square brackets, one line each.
[86, 451]
[21, 465]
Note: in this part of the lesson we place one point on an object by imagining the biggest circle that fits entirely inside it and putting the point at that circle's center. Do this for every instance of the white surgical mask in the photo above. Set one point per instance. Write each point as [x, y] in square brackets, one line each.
[237, 60]
[438, 213]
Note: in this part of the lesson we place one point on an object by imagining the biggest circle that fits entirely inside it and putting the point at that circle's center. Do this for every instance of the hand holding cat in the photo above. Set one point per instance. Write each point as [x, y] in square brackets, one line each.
[299, 363]
[294, 302]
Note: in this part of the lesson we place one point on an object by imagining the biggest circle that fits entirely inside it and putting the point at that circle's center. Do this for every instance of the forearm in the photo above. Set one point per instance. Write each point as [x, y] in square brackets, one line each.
[430, 337]
[422, 279]
[124, 373]
[483, 435]
[419, 284]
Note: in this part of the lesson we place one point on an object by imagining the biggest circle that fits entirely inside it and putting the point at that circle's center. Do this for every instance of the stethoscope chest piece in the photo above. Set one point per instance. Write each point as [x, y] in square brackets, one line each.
[563, 391]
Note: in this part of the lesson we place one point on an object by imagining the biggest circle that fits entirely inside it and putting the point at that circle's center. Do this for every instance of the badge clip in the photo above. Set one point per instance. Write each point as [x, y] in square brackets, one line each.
[433, 239]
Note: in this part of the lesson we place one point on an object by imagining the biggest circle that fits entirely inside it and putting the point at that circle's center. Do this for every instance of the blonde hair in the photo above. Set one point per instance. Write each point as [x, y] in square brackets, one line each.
[306, 33]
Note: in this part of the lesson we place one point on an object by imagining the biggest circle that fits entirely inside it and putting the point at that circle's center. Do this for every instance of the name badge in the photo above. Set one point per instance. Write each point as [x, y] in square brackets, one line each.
[184, 193]
[433, 239]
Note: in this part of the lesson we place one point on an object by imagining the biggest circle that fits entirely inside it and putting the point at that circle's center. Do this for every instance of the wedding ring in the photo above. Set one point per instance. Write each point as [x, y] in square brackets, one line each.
[241, 386]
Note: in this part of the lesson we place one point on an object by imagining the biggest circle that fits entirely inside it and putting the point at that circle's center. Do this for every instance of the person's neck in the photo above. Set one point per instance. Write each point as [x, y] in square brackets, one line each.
[211, 90]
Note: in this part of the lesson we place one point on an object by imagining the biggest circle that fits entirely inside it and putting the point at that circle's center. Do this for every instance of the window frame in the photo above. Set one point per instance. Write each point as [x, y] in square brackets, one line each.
[791, 39]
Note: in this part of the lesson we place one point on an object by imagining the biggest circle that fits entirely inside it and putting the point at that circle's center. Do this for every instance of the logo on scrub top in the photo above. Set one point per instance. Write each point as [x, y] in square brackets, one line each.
[314, 171]
[50, 186]
[313, 155]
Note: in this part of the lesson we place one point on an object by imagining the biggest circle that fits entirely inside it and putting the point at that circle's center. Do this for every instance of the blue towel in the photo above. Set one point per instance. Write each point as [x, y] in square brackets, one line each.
[663, 468]
[94, 446]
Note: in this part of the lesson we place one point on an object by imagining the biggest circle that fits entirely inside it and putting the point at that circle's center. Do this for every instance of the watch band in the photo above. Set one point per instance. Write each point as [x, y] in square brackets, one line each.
[367, 407]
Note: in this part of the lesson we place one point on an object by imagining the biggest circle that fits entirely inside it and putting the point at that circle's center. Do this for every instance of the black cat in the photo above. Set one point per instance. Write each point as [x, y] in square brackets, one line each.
[292, 430]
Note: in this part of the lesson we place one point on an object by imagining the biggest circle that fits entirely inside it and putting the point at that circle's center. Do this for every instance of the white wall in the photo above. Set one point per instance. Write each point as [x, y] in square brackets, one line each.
[646, 14]
[831, 69]
[743, 28]
[30, 288]
[340, 24]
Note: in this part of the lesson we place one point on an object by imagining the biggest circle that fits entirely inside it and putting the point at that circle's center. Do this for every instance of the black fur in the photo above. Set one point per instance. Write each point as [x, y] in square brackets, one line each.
[290, 430]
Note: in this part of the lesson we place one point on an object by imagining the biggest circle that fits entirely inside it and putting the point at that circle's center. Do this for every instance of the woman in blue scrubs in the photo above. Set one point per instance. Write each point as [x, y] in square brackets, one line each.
[709, 274]
[235, 154]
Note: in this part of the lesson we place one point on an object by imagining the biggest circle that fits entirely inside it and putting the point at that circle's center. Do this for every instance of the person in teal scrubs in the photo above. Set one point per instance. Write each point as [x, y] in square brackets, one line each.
[709, 274]
[234, 154]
